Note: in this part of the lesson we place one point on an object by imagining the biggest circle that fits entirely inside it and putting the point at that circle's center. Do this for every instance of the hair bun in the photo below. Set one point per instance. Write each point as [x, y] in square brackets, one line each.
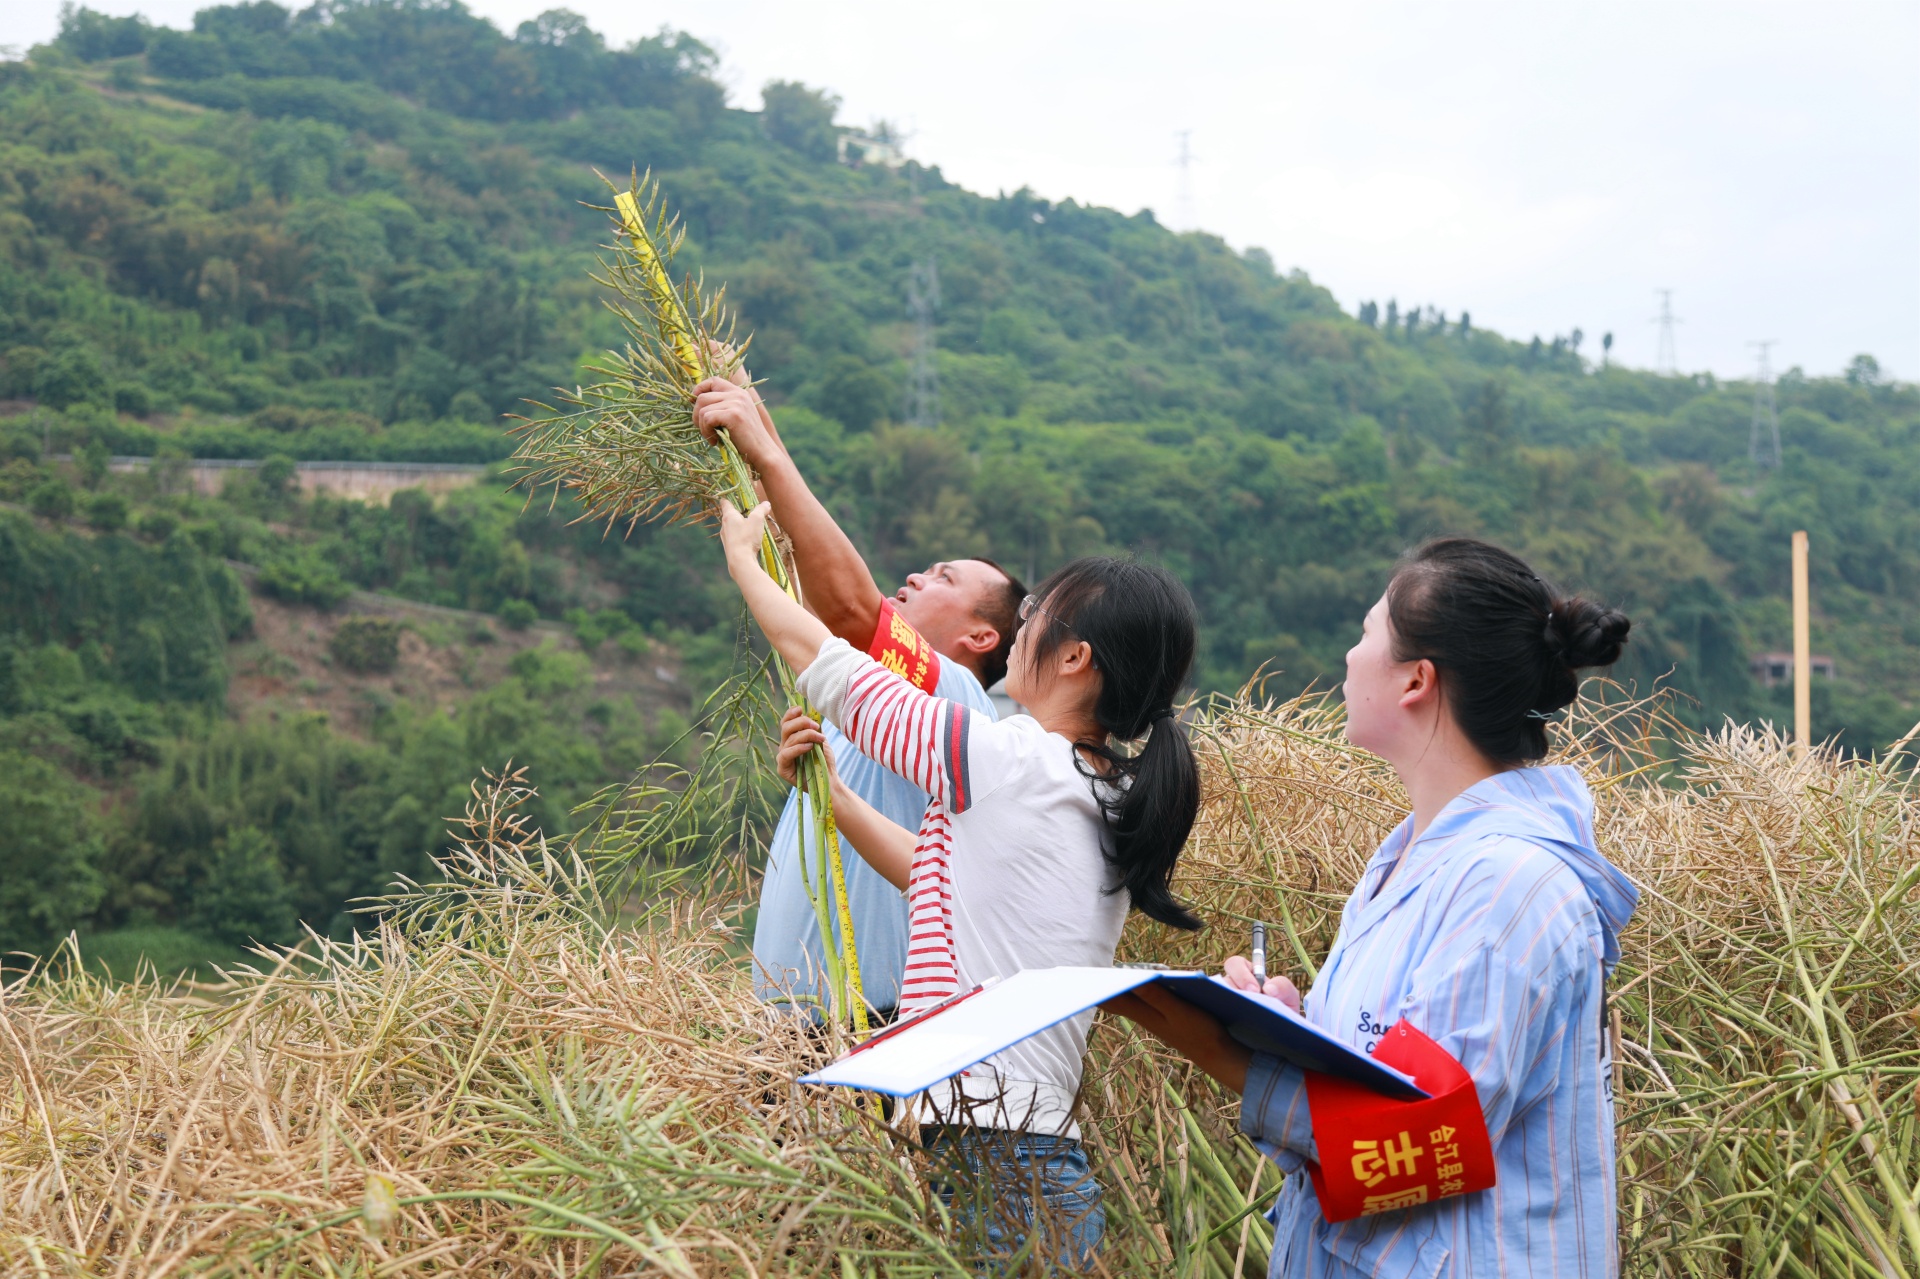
[1582, 633]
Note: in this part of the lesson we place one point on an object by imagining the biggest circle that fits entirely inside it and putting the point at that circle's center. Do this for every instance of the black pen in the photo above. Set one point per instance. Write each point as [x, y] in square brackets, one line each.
[1260, 954]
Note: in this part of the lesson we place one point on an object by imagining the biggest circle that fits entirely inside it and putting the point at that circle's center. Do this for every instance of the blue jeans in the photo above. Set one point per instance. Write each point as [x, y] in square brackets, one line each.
[989, 1178]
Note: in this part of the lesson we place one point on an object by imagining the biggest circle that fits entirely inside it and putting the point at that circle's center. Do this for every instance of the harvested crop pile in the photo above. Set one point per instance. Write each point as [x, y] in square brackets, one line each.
[498, 1081]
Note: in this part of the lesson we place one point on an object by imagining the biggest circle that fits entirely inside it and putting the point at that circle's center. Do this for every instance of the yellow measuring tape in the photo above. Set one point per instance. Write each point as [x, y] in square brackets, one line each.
[678, 330]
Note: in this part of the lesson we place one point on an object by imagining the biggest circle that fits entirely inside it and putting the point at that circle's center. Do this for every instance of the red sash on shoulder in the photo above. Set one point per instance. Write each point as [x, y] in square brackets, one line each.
[1378, 1154]
[903, 650]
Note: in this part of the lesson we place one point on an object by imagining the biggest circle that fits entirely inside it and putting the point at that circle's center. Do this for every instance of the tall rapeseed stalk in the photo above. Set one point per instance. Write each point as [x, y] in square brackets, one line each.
[629, 450]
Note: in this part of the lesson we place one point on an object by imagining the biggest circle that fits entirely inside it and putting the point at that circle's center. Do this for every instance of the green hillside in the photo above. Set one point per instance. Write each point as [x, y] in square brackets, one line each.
[360, 231]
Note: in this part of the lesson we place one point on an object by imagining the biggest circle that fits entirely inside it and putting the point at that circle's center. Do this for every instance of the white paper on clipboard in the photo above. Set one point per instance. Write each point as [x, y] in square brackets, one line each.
[938, 1046]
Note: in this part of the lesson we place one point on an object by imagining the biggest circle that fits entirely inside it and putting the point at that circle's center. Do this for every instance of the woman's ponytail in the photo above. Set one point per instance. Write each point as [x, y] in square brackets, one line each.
[1139, 622]
[1151, 817]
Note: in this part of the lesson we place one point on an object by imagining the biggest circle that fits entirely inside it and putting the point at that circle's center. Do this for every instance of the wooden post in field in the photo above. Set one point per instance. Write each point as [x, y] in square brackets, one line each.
[1802, 651]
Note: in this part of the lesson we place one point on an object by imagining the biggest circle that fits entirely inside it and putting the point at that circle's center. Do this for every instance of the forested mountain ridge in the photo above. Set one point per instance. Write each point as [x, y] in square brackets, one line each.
[360, 231]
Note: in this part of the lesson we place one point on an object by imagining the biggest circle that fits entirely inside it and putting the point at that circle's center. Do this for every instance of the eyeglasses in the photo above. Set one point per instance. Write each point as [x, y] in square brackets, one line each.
[1031, 605]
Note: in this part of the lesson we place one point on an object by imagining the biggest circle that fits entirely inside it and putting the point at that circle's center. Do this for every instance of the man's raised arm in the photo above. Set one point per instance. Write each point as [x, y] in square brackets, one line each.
[839, 589]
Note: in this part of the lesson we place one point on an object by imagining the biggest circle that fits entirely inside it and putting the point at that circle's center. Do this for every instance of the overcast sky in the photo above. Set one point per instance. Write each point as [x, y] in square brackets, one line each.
[1545, 167]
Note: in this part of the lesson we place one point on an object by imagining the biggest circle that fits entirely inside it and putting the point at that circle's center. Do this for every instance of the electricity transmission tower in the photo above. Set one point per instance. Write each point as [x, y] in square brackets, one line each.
[1185, 163]
[1666, 359]
[923, 298]
[1765, 410]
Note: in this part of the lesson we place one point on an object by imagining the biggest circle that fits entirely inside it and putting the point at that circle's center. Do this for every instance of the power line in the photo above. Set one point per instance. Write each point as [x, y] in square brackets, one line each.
[1666, 359]
[923, 299]
[1185, 163]
[1765, 408]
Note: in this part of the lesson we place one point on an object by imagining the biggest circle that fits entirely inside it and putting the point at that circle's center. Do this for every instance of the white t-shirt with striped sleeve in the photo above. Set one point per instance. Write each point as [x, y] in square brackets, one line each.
[1009, 873]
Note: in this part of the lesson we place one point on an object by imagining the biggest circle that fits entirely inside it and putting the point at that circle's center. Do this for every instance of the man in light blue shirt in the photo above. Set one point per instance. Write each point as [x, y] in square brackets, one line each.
[967, 610]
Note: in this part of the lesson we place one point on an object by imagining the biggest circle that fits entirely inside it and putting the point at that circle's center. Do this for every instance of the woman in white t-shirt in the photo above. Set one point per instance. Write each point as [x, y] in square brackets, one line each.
[1041, 830]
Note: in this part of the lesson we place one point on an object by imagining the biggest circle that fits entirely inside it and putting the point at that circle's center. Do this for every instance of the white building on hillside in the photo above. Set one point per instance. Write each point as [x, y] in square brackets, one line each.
[880, 144]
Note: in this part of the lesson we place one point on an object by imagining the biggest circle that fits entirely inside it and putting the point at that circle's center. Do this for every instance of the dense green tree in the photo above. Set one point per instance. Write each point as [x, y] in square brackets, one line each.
[107, 512]
[245, 897]
[153, 619]
[50, 878]
[94, 37]
[801, 118]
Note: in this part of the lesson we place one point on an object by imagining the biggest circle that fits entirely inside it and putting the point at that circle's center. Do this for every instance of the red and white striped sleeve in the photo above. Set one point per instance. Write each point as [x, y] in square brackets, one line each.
[925, 739]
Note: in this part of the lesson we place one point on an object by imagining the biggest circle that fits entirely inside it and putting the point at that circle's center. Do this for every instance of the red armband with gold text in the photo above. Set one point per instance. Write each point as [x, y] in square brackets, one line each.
[1378, 1154]
[903, 650]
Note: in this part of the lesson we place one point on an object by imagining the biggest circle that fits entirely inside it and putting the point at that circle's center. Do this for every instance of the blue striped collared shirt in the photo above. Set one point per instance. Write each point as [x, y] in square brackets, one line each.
[789, 962]
[1494, 938]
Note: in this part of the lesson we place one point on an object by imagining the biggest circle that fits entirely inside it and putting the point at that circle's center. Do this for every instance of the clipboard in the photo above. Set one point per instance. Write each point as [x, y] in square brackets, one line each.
[913, 1055]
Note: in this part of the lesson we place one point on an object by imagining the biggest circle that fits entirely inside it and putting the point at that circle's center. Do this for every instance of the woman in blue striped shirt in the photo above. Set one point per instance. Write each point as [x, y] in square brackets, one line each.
[1487, 920]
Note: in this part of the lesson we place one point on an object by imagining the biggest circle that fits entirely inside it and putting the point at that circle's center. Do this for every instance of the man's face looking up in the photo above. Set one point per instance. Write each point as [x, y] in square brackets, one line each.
[944, 604]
